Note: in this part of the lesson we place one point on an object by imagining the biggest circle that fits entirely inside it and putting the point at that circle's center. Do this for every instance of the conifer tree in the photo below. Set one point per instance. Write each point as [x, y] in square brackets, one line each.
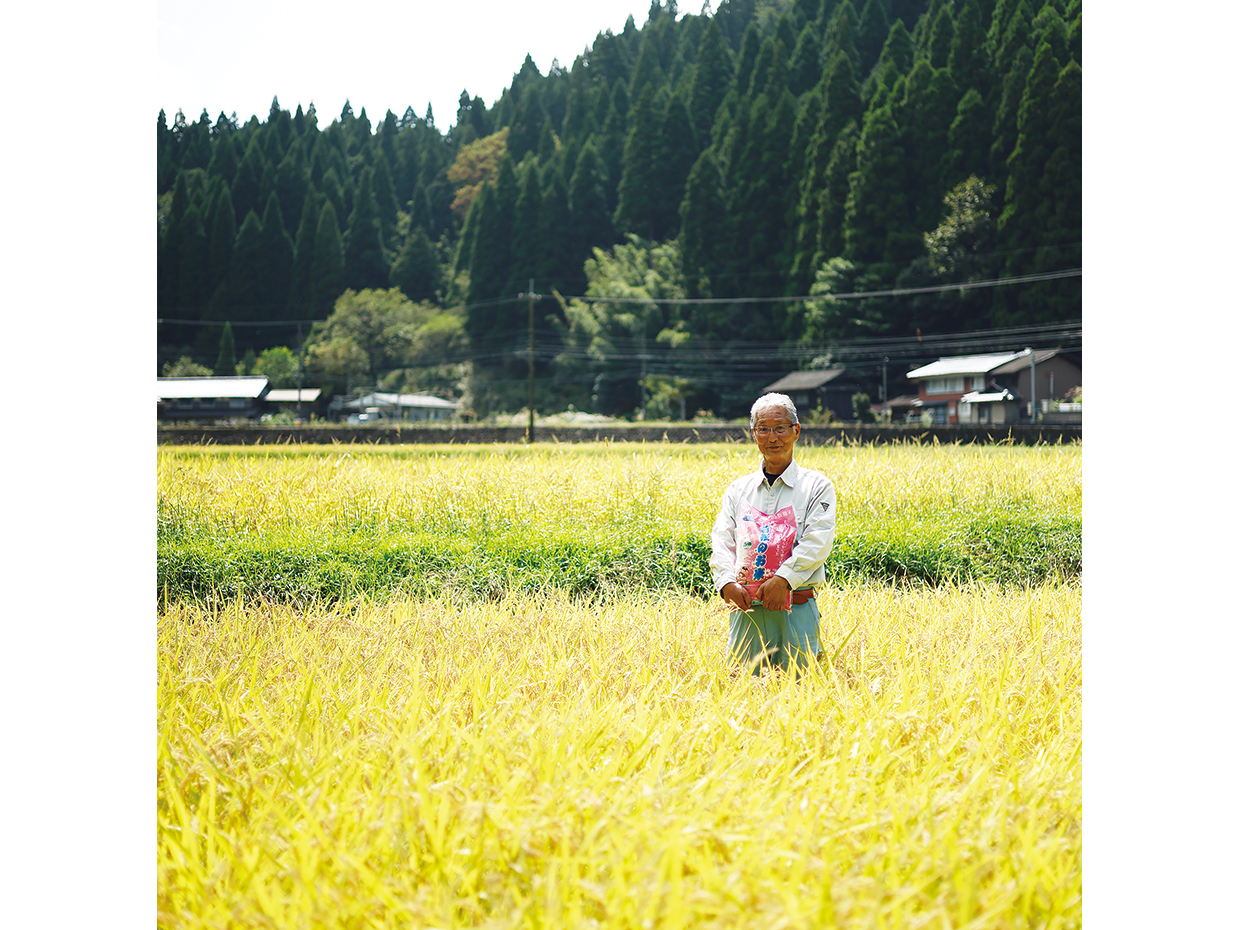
[1004, 129]
[637, 210]
[277, 257]
[704, 230]
[245, 185]
[833, 200]
[841, 34]
[168, 257]
[1073, 19]
[180, 196]
[895, 59]
[491, 260]
[291, 182]
[577, 109]
[968, 140]
[546, 144]
[1049, 26]
[420, 209]
[878, 217]
[750, 46]
[327, 279]
[785, 31]
[928, 108]
[555, 265]
[331, 188]
[527, 123]
[674, 160]
[266, 187]
[366, 264]
[299, 299]
[524, 247]
[647, 70]
[761, 68]
[1040, 222]
[192, 267]
[415, 270]
[1015, 35]
[247, 273]
[940, 37]
[463, 258]
[589, 215]
[226, 360]
[807, 175]
[873, 29]
[805, 66]
[612, 143]
[196, 144]
[318, 160]
[385, 196]
[223, 237]
[841, 100]
[711, 77]
[224, 161]
[967, 59]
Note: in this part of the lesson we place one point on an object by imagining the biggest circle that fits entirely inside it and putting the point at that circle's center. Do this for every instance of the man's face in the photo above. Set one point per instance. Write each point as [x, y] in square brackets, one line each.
[775, 435]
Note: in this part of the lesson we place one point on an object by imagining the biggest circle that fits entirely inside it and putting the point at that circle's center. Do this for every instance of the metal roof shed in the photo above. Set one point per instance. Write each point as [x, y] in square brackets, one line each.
[210, 398]
[406, 406]
[963, 365]
[249, 387]
[293, 395]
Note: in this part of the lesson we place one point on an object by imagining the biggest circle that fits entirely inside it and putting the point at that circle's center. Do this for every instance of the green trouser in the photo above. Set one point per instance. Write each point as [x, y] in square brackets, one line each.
[764, 637]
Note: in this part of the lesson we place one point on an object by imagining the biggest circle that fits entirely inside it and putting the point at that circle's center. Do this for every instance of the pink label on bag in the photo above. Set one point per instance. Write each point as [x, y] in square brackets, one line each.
[764, 542]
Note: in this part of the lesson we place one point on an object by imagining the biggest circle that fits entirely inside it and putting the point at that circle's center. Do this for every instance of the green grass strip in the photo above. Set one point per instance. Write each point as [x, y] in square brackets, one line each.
[337, 563]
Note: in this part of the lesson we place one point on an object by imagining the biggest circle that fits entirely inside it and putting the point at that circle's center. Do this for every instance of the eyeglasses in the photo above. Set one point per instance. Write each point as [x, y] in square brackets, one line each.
[780, 431]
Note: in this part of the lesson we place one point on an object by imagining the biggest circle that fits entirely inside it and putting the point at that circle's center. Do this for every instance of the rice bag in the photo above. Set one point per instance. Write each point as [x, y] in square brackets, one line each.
[764, 541]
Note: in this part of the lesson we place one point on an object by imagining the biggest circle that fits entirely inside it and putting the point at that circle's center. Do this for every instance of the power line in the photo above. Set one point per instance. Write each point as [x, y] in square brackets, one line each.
[855, 295]
[892, 292]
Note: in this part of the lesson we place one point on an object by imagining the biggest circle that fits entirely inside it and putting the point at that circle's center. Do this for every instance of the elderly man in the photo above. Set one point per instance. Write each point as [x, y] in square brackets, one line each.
[770, 540]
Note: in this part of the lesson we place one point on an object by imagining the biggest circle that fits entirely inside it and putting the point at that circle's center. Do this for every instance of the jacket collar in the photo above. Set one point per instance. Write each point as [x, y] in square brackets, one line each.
[789, 476]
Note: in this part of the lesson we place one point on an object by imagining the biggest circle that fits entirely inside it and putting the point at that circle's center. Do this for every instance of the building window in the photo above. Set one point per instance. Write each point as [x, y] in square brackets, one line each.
[945, 385]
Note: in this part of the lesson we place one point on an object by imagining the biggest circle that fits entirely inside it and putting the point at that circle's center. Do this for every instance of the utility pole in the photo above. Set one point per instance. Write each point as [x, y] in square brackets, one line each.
[1033, 386]
[530, 295]
[301, 351]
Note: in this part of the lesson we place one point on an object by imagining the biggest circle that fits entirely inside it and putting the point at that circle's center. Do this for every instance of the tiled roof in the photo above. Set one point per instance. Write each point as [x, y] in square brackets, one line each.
[1021, 363]
[804, 380]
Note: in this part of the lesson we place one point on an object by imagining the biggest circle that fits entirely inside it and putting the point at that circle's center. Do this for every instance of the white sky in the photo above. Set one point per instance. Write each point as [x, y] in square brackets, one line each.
[1160, 607]
[237, 54]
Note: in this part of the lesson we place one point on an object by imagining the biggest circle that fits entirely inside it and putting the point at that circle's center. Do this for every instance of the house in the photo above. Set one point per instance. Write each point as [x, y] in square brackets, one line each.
[411, 407]
[212, 398]
[942, 384]
[833, 387]
[897, 409]
[986, 408]
[993, 388]
[300, 402]
[1058, 371]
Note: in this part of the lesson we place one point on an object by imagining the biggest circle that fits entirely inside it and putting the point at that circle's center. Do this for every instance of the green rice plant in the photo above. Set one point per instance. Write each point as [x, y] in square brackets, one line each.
[292, 523]
[543, 761]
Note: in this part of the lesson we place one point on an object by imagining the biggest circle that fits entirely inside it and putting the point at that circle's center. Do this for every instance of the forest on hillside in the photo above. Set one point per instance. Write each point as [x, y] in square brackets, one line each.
[743, 157]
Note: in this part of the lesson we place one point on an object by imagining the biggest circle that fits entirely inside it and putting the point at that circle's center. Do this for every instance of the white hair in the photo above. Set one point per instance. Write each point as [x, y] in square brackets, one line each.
[782, 401]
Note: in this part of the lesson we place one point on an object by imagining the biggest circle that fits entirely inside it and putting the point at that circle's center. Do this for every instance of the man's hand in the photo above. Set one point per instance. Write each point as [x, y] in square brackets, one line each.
[736, 597]
[773, 593]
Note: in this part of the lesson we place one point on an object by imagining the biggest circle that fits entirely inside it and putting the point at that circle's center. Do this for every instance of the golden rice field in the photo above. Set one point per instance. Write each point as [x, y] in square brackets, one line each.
[543, 760]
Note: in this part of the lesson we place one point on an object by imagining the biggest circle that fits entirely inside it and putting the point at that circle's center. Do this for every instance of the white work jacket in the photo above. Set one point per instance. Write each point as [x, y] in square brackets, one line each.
[812, 497]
